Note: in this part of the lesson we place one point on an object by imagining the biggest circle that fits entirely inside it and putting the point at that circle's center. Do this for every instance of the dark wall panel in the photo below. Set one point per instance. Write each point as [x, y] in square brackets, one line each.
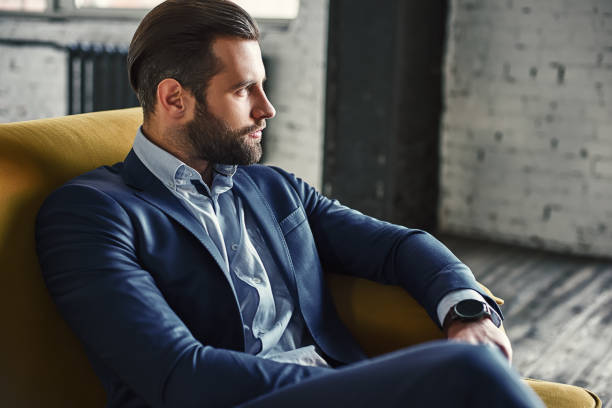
[383, 108]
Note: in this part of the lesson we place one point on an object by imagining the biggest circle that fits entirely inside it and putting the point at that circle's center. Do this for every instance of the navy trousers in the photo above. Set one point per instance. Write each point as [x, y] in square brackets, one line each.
[436, 374]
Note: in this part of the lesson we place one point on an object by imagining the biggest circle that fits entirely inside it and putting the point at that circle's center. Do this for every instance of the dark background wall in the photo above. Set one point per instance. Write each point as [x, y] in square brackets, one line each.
[384, 100]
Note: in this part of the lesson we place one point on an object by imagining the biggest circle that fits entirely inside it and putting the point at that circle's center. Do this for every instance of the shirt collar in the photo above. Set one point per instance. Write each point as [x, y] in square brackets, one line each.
[172, 171]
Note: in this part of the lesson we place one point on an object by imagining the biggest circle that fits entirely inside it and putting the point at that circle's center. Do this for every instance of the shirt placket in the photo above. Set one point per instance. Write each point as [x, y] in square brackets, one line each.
[208, 206]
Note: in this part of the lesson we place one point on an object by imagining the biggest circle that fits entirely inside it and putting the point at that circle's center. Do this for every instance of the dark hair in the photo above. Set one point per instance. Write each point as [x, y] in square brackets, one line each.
[174, 40]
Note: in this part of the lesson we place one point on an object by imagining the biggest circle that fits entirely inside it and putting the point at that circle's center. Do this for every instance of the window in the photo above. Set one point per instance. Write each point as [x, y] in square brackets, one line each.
[23, 5]
[260, 9]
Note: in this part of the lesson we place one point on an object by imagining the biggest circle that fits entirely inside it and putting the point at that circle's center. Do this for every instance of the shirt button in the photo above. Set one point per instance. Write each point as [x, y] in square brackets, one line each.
[256, 280]
[234, 247]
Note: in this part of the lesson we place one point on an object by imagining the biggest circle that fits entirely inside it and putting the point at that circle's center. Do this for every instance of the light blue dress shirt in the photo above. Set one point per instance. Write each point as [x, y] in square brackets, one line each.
[273, 326]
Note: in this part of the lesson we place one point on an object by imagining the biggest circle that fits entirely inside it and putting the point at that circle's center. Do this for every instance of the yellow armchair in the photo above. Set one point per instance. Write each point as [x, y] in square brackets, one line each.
[42, 362]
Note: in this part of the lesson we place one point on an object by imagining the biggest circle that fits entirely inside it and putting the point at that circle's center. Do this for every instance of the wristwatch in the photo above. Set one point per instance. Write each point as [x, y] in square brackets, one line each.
[470, 310]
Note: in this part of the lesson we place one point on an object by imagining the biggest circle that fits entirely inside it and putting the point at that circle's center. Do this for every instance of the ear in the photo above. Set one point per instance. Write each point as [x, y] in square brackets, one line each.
[173, 100]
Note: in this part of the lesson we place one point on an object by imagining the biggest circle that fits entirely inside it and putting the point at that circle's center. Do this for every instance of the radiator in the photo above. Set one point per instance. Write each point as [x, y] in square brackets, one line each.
[97, 79]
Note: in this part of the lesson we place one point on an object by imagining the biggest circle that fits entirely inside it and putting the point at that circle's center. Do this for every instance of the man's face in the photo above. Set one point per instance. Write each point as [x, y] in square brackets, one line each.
[227, 129]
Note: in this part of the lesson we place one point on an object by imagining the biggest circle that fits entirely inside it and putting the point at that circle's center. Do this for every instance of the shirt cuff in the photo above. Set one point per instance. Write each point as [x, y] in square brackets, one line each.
[454, 297]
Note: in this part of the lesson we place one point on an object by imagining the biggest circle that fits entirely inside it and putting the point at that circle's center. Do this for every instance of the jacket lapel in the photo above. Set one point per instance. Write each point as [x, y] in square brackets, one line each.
[152, 190]
[268, 224]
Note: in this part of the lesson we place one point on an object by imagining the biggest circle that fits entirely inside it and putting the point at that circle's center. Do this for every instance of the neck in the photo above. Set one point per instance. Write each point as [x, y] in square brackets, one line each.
[174, 143]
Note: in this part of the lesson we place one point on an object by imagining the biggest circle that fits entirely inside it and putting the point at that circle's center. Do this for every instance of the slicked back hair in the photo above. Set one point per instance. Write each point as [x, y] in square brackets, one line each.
[174, 40]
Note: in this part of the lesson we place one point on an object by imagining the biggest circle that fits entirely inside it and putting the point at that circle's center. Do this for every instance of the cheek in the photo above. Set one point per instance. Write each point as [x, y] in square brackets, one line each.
[239, 114]
[235, 112]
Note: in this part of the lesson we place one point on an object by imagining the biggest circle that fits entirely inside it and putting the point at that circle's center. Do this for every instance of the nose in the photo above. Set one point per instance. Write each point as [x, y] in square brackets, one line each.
[263, 108]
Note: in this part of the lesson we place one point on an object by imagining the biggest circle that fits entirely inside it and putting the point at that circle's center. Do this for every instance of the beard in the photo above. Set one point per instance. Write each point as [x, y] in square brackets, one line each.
[213, 140]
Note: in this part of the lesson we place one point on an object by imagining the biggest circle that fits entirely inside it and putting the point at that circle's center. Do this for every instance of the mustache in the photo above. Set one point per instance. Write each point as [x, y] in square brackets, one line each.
[261, 125]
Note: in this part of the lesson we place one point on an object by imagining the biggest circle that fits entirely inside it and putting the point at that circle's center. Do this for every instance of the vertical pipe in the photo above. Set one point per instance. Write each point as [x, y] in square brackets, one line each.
[70, 80]
[118, 97]
[89, 80]
[98, 86]
[122, 66]
[83, 78]
[127, 89]
[106, 79]
[111, 80]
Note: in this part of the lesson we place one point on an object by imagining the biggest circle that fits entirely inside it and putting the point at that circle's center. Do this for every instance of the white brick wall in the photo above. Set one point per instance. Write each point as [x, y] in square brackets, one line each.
[24, 90]
[33, 79]
[295, 139]
[527, 133]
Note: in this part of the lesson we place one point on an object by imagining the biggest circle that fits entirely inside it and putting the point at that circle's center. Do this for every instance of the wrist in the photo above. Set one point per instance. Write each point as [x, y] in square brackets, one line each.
[470, 310]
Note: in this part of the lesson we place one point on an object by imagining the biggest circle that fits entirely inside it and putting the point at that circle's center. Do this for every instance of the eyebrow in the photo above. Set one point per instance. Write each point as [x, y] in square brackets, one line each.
[245, 84]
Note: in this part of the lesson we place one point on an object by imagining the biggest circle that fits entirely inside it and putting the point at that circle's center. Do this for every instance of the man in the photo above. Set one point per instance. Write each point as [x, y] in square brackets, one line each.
[195, 278]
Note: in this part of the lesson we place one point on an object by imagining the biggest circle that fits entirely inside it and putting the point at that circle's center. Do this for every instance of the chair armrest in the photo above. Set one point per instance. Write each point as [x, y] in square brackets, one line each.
[383, 318]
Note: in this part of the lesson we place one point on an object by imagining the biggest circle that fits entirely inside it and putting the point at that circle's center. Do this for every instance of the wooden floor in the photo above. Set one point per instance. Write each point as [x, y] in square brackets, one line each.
[558, 310]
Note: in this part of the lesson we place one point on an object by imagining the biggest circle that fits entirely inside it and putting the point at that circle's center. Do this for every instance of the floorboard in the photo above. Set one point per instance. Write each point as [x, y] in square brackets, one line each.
[558, 310]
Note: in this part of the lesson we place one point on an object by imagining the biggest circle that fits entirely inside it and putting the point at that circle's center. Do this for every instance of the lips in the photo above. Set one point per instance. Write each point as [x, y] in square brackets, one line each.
[256, 134]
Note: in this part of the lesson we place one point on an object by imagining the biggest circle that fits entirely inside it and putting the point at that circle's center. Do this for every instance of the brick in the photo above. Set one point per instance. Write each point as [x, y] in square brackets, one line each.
[602, 167]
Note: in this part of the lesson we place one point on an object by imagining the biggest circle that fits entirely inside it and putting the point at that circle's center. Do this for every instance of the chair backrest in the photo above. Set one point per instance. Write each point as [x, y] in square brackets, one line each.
[42, 364]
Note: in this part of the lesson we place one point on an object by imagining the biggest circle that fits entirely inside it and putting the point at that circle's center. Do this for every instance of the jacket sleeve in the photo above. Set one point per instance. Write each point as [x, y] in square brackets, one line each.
[86, 247]
[350, 242]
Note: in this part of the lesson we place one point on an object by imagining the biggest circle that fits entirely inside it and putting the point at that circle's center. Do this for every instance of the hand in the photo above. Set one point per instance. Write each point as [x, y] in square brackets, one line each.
[481, 331]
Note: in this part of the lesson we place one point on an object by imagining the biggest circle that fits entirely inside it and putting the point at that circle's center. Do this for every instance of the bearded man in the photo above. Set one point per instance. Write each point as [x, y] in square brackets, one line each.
[194, 277]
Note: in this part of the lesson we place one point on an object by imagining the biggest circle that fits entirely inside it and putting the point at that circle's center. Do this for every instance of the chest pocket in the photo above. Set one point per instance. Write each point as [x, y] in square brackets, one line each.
[292, 221]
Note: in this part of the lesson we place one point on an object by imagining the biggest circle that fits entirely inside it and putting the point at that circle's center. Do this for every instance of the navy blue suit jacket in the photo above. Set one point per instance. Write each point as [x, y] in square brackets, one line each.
[132, 273]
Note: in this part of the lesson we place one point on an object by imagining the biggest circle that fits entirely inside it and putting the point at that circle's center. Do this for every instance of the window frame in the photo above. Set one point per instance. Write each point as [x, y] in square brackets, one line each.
[66, 9]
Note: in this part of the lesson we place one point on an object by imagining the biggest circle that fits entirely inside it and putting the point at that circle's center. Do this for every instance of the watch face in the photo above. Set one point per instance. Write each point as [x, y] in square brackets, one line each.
[470, 308]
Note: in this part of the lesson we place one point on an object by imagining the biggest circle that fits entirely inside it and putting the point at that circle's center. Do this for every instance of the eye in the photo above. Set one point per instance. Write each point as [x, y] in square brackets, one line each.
[242, 92]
